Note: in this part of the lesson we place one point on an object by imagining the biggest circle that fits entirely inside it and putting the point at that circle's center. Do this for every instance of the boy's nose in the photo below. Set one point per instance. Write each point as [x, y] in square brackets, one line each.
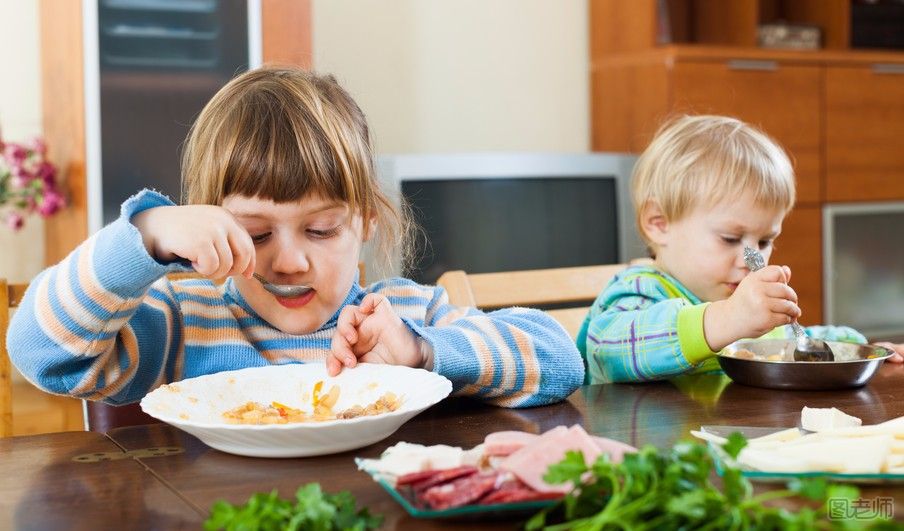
[739, 260]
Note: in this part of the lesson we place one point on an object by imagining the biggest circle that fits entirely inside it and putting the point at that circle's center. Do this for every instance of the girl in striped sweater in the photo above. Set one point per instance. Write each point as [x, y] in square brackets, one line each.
[279, 177]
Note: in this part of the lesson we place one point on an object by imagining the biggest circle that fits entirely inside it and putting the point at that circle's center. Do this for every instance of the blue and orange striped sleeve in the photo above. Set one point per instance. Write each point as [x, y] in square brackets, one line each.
[103, 324]
[515, 357]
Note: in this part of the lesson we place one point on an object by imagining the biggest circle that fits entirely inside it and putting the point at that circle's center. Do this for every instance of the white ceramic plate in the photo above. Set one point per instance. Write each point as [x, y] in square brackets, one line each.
[196, 405]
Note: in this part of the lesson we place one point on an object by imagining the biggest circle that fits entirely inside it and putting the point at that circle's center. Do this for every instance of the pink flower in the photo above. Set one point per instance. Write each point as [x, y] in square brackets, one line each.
[38, 146]
[19, 181]
[46, 172]
[15, 153]
[52, 202]
[29, 182]
[15, 221]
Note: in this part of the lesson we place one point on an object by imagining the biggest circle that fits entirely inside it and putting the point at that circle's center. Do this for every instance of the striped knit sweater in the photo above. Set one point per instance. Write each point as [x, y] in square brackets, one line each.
[646, 325]
[107, 324]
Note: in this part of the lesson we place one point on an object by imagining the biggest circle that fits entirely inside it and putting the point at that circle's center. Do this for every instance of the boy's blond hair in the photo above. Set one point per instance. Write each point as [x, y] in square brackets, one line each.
[282, 133]
[699, 161]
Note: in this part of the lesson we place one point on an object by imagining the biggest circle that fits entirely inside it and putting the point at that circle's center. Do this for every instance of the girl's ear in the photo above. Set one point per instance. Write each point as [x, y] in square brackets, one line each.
[654, 223]
[370, 227]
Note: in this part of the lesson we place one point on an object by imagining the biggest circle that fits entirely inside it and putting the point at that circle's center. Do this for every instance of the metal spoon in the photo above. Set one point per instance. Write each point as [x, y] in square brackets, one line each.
[284, 290]
[807, 348]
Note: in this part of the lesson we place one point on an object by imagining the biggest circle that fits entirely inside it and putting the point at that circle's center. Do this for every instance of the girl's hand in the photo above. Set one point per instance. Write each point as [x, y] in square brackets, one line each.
[373, 333]
[763, 301]
[898, 356]
[208, 236]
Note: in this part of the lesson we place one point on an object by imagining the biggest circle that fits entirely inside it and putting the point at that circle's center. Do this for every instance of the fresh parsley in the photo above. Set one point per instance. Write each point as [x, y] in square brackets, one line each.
[672, 489]
[312, 510]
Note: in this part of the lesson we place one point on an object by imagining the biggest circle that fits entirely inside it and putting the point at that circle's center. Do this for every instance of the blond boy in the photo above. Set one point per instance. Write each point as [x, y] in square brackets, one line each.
[706, 187]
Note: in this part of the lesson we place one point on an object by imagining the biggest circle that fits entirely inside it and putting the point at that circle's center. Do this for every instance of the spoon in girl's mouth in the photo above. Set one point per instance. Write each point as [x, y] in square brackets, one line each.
[284, 290]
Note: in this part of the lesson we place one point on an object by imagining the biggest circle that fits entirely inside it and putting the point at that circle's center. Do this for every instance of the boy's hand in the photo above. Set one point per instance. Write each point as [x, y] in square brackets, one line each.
[898, 356]
[373, 333]
[208, 236]
[763, 301]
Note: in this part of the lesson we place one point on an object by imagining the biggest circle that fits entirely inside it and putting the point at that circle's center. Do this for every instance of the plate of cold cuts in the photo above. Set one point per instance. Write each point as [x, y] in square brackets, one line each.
[502, 477]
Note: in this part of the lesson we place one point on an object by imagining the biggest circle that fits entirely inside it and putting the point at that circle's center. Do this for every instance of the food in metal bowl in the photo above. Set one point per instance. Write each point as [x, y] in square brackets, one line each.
[770, 363]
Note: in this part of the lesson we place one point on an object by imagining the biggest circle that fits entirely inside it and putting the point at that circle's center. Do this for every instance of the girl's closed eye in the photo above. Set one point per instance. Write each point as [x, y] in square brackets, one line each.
[323, 234]
[259, 238]
[731, 240]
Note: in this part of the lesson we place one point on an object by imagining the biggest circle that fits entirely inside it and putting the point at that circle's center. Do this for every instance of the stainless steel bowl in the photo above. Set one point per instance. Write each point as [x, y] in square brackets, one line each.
[854, 365]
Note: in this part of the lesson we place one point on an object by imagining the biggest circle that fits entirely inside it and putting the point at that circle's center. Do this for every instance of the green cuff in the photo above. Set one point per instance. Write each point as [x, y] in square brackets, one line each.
[690, 334]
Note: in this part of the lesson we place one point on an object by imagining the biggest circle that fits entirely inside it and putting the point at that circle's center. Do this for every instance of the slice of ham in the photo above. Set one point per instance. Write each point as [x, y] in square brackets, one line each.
[502, 443]
[531, 462]
[615, 449]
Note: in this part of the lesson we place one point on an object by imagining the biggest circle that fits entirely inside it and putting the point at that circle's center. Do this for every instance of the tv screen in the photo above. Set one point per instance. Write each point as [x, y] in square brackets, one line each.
[508, 224]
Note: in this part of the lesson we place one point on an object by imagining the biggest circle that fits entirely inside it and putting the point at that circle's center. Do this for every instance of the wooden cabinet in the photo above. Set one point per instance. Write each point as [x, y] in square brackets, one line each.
[864, 132]
[779, 98]
[800, 247]
[838, 112]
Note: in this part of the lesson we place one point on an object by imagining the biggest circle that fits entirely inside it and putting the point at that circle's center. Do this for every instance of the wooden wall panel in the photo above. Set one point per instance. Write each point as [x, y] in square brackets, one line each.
[800, 248]
[64, 120]
[287, 32]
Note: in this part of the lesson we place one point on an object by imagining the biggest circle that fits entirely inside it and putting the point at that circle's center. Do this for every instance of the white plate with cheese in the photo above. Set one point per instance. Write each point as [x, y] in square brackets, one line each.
[828, 443]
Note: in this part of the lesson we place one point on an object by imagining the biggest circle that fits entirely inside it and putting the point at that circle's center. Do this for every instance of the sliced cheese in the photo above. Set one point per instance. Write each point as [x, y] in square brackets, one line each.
[822, 419]
[861, 455]
[780, 436]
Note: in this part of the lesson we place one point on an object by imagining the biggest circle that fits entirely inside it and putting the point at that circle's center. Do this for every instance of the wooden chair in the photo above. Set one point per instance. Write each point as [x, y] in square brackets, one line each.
[10, 296]
[570, 290]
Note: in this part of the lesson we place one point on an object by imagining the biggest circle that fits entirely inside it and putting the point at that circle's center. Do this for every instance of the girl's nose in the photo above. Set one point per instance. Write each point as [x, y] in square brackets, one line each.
[290, 258]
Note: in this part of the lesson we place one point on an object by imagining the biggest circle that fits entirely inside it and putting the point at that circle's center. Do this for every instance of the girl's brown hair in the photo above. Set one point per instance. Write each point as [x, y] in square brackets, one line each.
[283, 133]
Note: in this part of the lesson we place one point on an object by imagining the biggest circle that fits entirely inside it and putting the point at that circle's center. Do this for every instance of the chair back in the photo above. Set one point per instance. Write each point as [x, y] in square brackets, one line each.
[10, 296]
[570, 290]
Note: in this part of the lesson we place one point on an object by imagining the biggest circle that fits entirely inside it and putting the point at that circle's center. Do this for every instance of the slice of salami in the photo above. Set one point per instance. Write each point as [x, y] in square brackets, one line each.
[414, 477]
[460, 492]
[443, 476]
[517, 495]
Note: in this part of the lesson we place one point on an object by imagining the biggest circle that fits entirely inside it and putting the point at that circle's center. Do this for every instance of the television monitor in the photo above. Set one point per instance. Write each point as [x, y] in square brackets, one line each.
[514, 211]
[863, 282]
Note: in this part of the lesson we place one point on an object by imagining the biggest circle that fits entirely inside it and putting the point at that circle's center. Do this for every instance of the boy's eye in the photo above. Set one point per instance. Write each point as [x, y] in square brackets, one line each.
[731, 240]
[259, 238]
[325, 233]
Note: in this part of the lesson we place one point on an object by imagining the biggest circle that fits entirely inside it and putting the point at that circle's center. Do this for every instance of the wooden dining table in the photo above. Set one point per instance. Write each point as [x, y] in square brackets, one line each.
[159, 477]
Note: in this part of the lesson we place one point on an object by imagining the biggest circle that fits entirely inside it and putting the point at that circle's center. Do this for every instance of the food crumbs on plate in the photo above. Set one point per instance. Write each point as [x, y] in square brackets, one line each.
[183, 416]
[278, 413]
[372, 385]
[173, 388]
[231, 381]
[193, 400]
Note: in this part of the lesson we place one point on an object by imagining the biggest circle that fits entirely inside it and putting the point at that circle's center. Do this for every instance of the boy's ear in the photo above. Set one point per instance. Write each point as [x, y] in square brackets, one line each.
[654, 223]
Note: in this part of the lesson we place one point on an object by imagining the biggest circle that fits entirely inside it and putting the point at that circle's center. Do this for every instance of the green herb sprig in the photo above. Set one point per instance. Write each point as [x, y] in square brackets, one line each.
[671, 489]
[312, 510]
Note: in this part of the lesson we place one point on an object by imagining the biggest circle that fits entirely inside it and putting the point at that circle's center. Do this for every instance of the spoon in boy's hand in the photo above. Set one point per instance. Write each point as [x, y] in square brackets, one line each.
[807, 348]
[283, 290]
